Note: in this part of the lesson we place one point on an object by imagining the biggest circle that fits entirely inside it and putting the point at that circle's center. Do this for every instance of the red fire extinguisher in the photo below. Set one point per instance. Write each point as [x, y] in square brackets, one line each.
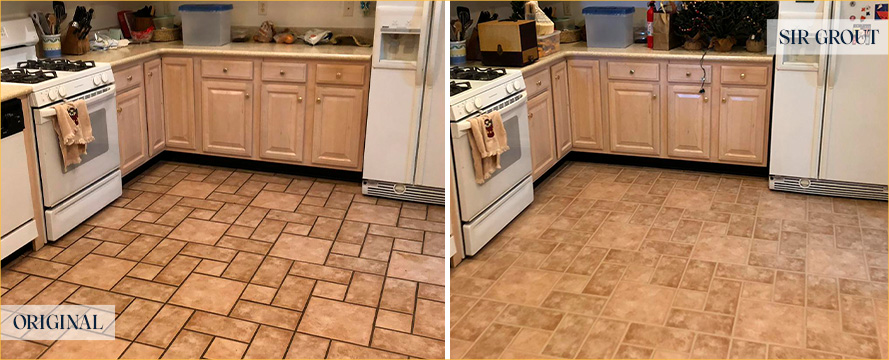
[650, 25]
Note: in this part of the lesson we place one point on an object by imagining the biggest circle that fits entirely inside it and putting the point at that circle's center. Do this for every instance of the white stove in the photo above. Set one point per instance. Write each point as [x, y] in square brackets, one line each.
[71, 195]
[485, 209]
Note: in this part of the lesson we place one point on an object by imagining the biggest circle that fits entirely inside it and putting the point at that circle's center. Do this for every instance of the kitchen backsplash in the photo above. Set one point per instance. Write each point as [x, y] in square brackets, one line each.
[574, 8]
[105, 15]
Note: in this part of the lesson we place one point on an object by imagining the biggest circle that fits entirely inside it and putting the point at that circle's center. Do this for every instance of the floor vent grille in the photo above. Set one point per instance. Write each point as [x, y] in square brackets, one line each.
[404, 192]
[829, 188]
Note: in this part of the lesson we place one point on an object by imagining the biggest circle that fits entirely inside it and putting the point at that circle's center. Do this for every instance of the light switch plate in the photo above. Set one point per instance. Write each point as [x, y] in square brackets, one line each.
[348, 8]
[262, 8]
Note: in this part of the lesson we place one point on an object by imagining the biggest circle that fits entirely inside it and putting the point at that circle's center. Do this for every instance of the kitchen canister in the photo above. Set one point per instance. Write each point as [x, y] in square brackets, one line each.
[458, 52]
[52, 46]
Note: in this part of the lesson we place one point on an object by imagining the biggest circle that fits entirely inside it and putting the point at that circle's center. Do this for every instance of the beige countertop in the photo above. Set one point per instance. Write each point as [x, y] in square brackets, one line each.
[12, 91]
[137, 52]
[641, 52]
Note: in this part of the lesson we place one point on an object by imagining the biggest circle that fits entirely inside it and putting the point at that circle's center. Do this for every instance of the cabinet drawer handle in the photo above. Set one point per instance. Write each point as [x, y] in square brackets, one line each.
[339, 75]
[282, 72]
[318, 100]
[706, 99]
[632, 71]
[225, 69]
[743, 75]
[299, 99]
[558, 77]
[687, 73]
[130, 78]
[150, 74]
[723, 99]
[530, 116]
[119, 110]
[539, 82]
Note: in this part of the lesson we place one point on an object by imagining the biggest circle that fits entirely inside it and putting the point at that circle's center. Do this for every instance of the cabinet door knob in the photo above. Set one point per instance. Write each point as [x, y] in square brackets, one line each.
[632, 71]
[318, 100]
[130, 78]
[119, 110]
[706, 99]
[247, 95]
[530, 116]
[723, 100]
[654, 96]
[687, 73]
[282, 72]
[558, 77]
[339, 75]
[743, 75]
[150, 74]
[539, 82]
[225, 70]
[299, 99]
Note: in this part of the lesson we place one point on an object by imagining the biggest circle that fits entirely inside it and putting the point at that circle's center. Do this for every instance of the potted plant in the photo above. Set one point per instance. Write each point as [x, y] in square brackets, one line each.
[755, 16]
[689, 23]
[722, 20]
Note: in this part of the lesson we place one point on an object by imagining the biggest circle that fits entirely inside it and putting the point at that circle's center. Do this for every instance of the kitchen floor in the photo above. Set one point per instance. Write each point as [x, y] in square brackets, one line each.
[628, 262]
[222, 263]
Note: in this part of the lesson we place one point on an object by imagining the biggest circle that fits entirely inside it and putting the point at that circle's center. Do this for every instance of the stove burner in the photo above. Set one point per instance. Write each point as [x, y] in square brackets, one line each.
[26, 76]
[476, 73]
[458, 87]
[57, 64]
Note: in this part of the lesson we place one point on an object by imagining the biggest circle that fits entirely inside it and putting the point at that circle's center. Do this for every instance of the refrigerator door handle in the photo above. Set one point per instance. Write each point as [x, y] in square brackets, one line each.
[424, 43]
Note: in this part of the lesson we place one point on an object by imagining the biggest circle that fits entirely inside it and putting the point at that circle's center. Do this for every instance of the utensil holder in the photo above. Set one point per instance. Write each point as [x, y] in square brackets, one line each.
[52, 46]
[458, 52]
[71, 45]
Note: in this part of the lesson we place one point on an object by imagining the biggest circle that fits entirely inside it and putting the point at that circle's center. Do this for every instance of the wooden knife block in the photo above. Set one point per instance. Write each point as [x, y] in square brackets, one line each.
[71, 45]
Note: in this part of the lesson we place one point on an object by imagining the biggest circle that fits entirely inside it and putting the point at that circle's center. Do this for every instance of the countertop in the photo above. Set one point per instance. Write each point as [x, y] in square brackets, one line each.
[642, 52]
[12, 91]
[137, 52]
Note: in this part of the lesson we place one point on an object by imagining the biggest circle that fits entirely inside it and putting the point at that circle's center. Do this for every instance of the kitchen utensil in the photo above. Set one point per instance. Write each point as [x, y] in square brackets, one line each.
[465, 21]
[458, 29]
[51, 20]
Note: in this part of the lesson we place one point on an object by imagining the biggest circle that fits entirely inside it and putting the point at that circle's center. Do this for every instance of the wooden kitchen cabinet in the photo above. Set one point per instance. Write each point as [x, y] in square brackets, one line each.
[337, 126]
[584, 95]
[179, 110]
[688, 122]
[227, 117]
[561, 108]
[634, 117]
[743, 116]
[132, 129]
[542, 133]
[154, 106]
[282, 122]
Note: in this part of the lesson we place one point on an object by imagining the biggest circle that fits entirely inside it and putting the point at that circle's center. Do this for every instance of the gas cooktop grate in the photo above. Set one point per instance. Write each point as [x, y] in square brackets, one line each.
[459, 87]
[25, 76]
[476, 73]
[57, 64]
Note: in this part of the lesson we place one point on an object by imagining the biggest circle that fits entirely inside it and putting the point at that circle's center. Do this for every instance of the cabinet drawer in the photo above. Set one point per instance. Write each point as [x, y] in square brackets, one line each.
[289, 72]
[633, 71]
[229, 69]
[745, 75]
[340, 74]
[688, 73]
[538, 83]
[128, 78]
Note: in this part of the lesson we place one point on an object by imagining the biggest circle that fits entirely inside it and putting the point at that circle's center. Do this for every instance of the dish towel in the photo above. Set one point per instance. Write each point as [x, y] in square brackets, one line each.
[488, 141]
[72, 125]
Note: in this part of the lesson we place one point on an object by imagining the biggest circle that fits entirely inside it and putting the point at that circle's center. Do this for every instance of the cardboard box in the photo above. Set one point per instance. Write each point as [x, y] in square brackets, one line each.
[508, 43]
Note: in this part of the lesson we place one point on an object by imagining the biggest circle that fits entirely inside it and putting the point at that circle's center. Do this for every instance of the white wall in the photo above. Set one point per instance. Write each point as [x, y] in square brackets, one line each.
[104, 16]
[302, 14]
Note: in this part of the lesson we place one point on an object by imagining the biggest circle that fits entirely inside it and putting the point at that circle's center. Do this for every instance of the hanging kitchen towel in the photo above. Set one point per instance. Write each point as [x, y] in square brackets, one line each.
[73, 127]
[488, 141]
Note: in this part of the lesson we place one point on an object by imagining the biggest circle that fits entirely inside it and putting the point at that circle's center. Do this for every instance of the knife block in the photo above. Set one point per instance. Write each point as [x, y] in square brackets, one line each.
[71, 45]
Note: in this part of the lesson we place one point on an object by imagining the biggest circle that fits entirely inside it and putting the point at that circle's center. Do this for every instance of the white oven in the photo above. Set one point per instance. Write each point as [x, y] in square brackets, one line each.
[72, 196]
[487, 208]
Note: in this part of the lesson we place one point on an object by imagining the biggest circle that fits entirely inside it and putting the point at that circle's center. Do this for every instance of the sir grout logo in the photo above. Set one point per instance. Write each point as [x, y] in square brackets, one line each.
[861, 34]
[865, 36]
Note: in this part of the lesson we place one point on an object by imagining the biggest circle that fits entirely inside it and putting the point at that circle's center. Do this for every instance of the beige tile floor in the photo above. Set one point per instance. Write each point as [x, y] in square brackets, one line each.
[628, 262]
[221, 263]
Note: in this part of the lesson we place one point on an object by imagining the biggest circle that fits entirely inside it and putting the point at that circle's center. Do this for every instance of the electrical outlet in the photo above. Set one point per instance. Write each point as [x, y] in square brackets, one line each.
[348, 8]
[566, 8]
[262, 8]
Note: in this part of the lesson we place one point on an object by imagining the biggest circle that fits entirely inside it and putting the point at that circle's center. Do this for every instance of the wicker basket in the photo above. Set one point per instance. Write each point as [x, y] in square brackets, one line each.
[570, 36]
[161, 35]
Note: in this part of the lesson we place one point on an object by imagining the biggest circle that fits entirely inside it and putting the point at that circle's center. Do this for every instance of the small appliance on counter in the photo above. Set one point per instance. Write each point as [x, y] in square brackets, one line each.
[508, 43]
[206, 24]
[609, 26]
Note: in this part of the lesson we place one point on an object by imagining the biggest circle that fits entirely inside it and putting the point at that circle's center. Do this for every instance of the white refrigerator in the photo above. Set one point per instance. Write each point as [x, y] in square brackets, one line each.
[404, 151]
[829, 118]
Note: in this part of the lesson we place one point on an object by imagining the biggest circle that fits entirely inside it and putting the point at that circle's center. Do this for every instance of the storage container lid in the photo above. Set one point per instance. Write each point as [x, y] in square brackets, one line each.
[608, 10]
[205, 7]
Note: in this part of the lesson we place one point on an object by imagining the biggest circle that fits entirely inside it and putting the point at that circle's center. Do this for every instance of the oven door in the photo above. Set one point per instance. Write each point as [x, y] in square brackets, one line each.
[515, 163]
[102, 155]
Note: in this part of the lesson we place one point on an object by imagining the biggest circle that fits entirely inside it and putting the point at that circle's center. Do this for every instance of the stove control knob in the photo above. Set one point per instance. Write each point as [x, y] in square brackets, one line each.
[469, 106]
[97, 80]
[104, 77]
[517, 84]
[53, 94]
[478, 103]
[510, 88]
[62, 91]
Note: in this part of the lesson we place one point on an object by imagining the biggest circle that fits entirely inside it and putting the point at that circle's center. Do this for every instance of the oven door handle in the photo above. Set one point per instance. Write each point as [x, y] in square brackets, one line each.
[46, 114]
[465, 125]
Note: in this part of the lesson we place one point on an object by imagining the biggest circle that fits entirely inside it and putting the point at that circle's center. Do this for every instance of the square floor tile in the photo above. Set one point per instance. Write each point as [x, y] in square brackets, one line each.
[338, 320]
[208, 293]
[199, 231]
[98, 271]
[523, 286]
[640, 303]
[302, 248]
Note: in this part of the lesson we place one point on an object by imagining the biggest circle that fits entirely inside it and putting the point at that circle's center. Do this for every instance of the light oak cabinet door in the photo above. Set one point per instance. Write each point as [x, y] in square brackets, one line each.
[179, 110]
[585, 97]
[688, 122]
[154, 106]
[742, 124]
[132, 129]
[337, 134]
[542, 132]
[561, 108]
[634, 117]
[227, 117]
[282, 122]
